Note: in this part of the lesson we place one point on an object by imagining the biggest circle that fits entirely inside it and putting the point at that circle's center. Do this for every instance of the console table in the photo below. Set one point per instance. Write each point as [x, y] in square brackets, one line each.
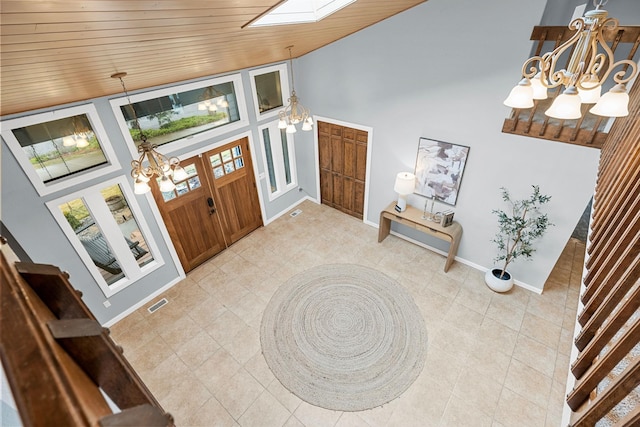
[412, 217]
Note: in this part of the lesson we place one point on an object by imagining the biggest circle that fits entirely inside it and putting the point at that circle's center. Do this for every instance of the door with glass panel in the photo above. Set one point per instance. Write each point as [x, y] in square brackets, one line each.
[191, 217]
[231, 174]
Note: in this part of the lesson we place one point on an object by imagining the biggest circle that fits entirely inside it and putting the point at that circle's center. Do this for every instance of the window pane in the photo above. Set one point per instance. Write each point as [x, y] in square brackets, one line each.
[237, 151]
[268, 90]
[285, 154]
[62, 147]
[228, 167]
[269, 157]
[127, 223]
[169, 195]
[194, 182]
[190, 169]
[182, 188]
[226, 155]
[218, 172]
[215, 160]
[176, 116]
[239, 163]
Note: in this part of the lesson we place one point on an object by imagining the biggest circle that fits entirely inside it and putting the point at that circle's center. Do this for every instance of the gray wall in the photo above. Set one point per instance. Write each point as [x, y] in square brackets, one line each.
[441, 70]
[26, 216]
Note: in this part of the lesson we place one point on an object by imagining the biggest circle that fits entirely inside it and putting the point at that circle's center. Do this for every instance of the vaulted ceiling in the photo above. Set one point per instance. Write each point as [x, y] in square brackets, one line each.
[57, 52]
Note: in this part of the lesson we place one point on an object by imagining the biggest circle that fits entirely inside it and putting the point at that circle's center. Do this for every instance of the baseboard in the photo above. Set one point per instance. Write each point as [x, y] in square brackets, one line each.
[136, 306]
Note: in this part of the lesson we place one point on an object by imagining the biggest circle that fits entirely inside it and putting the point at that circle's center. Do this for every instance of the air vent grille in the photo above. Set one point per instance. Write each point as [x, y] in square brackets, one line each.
[157, 305]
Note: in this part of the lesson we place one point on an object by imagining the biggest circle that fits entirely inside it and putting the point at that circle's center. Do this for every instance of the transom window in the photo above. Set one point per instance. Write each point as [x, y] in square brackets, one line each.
[60, 148]
[270, 90]
[188, 113]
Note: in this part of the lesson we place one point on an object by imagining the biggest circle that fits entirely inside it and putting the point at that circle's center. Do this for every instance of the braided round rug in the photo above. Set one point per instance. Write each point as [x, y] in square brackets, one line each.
[343, 337]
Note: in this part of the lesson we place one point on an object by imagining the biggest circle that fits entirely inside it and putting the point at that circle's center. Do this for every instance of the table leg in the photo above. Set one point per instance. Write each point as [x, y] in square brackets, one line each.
[384, 228]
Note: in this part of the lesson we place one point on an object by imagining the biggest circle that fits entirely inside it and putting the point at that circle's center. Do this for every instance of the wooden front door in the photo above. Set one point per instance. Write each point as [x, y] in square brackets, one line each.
[343, 167]
[214, 207]
[231, 173]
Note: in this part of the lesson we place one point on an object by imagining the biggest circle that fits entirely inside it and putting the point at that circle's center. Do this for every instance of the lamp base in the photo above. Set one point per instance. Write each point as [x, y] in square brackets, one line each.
[401, 205]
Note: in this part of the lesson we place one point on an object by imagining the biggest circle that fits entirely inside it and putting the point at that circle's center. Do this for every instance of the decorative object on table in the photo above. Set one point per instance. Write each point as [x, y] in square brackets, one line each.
[405, 184]
[344, 337]
[430, 216]
[439, 169]
[447, 218]
[166, 169]
[589, 65]
[518, 228]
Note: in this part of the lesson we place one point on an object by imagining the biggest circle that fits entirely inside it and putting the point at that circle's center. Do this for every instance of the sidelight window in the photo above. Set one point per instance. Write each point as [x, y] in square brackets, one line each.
[270, 90]
[279, 159]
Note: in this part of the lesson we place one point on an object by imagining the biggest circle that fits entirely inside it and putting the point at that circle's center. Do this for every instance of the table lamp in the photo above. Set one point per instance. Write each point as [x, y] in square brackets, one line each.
[405, 184]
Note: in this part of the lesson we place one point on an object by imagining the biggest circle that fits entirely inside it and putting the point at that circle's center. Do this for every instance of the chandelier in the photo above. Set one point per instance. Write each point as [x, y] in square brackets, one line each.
[589, 65]
[295, 112]
[166, 169]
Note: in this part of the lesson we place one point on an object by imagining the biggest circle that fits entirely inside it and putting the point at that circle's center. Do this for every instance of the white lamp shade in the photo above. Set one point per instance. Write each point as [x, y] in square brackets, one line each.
[166, 184]
[566, 106]
[140, 187]
[592, 90]
[291, 128]
[213, 107]
[82, 142]
[539, 90]
[202, 106]
[521, 96]
[179, 174]
[306, 125]
[614, 103]
[282, 124]
[68, 141]
[405, 183]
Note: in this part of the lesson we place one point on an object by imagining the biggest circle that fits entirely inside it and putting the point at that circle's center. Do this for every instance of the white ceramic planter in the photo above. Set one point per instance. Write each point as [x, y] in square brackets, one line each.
[495, 283]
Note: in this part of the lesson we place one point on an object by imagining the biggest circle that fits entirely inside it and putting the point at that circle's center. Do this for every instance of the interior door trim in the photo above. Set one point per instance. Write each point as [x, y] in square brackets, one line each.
[369, 130]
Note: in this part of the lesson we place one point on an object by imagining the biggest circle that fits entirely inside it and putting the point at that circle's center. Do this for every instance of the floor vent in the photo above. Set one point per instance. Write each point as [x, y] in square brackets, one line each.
[295, 213]
[157, 305]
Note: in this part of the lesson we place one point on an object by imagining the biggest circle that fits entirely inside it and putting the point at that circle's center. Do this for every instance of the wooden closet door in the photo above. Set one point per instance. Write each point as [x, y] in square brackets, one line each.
[343, 163]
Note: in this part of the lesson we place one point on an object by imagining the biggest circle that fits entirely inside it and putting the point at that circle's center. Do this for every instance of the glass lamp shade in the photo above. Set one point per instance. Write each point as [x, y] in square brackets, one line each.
[306, 125]
[566, 106]
[202, 106]
[405, 183]
[291, 128]
[68, 141]
[592, 90]
[179, 174]
[82, 142]
[614, 103]
[140, 186]
[539, 90]
[166, 184]
[521, 96]
[213, 107]
[282, 124]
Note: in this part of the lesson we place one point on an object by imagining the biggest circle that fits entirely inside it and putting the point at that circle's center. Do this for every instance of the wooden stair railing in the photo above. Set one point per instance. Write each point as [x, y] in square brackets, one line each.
[610, 315]
[58, 358]
[589, 130]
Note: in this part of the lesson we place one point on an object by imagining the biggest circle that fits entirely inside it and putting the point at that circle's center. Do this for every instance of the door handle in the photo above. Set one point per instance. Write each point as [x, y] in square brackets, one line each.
[212, 208]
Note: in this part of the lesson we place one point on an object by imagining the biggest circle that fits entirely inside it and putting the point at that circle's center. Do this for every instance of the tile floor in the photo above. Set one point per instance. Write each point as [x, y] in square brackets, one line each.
[493, 359]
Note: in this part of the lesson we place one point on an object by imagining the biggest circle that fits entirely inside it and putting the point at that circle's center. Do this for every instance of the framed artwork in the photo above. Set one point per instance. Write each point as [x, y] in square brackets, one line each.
[439, 169]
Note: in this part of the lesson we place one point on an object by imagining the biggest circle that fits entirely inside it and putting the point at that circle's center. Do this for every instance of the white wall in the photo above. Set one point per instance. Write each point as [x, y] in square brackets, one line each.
[441, 70]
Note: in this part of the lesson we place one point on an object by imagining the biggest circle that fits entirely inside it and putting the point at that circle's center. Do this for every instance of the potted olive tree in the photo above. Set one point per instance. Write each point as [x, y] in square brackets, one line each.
[518, 228]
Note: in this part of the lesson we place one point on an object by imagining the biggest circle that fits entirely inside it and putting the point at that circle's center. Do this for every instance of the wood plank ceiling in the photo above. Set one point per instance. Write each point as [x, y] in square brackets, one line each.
[57, 52]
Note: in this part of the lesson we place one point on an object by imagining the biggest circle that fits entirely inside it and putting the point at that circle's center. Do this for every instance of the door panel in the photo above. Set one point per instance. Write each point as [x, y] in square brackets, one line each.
[186, 207]
[343, 167]
[230, 172]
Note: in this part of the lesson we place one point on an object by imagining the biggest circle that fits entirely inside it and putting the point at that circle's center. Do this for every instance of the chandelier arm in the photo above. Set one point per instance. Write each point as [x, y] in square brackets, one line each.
[551, 78]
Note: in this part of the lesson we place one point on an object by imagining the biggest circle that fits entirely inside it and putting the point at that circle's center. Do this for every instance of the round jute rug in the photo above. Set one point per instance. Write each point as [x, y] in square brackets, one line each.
[343, 337]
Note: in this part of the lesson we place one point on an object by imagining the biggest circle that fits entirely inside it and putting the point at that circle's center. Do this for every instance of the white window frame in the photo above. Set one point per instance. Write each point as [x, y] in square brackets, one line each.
[278, 160]
[190, 140]
[62, 183]
[103, 217]
[284, 86]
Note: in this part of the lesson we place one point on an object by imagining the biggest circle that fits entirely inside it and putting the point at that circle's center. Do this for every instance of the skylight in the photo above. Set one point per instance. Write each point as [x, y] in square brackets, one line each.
[300, 12]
